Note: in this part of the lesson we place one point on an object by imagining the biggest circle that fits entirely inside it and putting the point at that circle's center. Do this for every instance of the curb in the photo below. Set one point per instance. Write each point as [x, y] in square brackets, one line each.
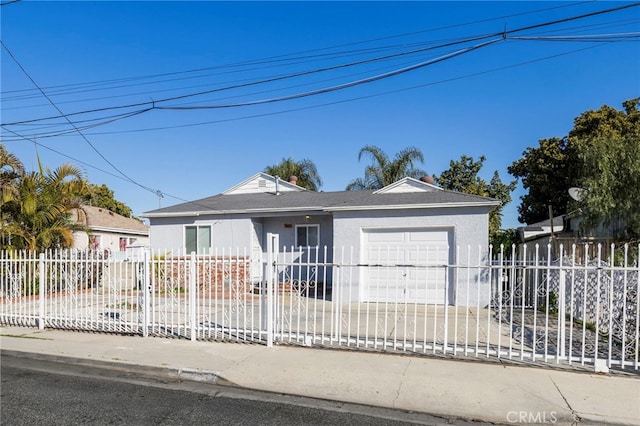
[169, 375]
[128, 369]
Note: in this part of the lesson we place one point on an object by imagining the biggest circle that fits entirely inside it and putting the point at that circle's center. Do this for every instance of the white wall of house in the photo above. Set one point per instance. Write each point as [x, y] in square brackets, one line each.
[285, 227]
[234, 231]
[168, 233]
[107, 240]
[469, 227]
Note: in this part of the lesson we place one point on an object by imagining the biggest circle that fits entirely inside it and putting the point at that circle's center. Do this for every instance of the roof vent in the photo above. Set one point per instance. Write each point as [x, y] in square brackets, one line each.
[427, 179]
[293, 179]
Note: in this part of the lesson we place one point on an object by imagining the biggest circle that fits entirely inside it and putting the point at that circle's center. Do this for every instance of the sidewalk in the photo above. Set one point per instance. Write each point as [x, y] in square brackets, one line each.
[491, 392]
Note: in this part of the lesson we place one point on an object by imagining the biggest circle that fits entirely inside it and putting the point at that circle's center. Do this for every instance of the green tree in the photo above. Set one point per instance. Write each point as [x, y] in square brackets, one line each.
[462, 176]
[38, 218]
[305, 170]
[11, 169]
[547, 172]
[505, 238]
[102, 196]
[383, 171]
[598, 155]
[607, 148]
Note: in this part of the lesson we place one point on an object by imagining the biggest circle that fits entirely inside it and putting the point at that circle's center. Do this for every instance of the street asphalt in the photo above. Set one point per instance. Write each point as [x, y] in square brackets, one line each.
[454, 389]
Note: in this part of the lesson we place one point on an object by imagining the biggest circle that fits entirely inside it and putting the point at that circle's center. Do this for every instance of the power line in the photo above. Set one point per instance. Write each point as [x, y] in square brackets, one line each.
[585, 38]
[572, 30]
[448, 80]
[609, 38]
[263, 81]
[70, 122]
[157, 192]
[329, 89]
[277, 58]
[35, 142]
[341, 86]
[154, 104]
[137, 112]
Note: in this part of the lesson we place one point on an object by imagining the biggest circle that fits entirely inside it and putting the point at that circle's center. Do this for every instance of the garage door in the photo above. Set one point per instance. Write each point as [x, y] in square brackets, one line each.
[407, 265]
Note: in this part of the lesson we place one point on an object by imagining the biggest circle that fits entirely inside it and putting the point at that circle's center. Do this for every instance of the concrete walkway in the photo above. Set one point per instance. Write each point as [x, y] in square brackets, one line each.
[452, 389]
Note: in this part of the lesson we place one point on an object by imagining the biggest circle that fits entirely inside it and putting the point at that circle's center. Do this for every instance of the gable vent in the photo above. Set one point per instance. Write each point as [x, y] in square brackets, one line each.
[262, 183]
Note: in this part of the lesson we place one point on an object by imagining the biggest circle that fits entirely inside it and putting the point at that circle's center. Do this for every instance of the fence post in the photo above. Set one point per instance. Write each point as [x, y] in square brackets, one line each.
[192, 295]
[42, 291]
[272, 240]
[146, 292]
[562, 320]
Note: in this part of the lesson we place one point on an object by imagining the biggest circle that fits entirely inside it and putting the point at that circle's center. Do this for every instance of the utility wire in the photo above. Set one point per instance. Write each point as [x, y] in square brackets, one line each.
[504, 35]
[59, 133]
[333, 88]
[38, 127]
[584, 38]
[155, 192]
[277, 58]
[341, 86]
[268, 80]
[70, 122]
[602, 38]
[448, 80]
[572, 30]
[196, 203]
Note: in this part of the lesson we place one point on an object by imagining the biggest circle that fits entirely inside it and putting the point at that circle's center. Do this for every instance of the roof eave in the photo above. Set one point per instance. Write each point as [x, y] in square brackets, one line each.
[236, 211]
[117, 230]
[178, 214]
[414, 206]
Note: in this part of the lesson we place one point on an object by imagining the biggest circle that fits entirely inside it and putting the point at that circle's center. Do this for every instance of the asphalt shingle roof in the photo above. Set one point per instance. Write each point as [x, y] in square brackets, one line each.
[309, 200]
[97, 217]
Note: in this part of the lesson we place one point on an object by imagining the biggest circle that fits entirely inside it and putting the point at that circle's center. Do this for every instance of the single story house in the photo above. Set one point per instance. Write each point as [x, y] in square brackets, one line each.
[382, 227]
[562, 233]
[108, 231]
[542, 232]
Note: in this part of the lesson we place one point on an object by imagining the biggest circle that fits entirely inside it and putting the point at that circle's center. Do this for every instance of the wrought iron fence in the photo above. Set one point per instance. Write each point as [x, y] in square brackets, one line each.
[516, 303]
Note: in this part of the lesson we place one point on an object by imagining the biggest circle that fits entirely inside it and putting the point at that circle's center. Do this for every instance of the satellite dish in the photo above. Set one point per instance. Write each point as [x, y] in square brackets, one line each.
[576, 193]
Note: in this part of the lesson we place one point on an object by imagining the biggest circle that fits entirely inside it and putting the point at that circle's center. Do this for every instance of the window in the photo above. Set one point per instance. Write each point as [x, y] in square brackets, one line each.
[95, 242]
[307, 235]
[198, 239]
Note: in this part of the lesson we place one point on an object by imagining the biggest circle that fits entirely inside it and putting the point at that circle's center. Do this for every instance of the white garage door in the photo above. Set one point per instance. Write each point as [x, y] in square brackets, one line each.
[407, 265]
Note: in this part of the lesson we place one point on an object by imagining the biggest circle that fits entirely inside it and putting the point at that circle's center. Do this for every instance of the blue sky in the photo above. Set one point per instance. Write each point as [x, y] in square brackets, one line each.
[494, 101]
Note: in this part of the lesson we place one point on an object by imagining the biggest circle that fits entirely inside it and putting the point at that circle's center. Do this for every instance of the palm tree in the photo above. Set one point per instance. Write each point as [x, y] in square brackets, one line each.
[304, 170]
[41, 218]
[11, 169]
[384, 171]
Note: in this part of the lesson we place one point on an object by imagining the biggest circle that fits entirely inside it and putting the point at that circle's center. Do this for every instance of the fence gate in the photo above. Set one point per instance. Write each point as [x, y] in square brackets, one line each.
[212, 297]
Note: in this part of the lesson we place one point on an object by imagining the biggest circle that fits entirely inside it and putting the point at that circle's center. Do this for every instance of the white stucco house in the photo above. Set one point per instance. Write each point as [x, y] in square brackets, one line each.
[108, 231]
[408, 222]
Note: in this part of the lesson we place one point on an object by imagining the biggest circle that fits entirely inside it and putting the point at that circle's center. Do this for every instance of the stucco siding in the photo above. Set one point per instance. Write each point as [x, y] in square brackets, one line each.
[226, 232]
[285, 227]
[235, 231]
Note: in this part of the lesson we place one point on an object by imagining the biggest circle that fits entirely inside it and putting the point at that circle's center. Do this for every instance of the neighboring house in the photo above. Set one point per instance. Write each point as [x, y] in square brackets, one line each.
[559, 236]
[543, 232]
[108, 231]
[377, 227]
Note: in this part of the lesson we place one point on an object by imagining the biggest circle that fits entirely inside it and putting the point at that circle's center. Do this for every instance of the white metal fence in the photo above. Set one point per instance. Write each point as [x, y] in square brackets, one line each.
[527, 306]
